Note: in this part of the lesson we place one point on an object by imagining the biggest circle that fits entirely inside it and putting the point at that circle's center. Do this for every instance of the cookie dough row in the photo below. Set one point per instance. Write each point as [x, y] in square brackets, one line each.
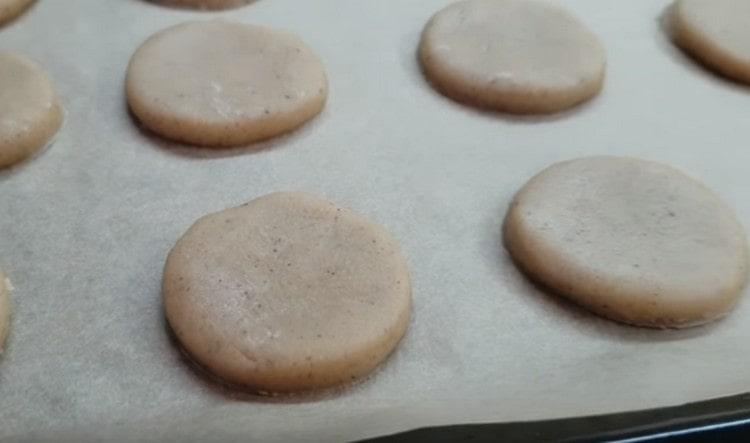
[528, 56]
[290, 292]
[226, 84]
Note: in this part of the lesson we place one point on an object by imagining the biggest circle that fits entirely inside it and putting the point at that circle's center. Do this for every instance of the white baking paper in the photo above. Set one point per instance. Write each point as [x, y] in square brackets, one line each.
[86, 226]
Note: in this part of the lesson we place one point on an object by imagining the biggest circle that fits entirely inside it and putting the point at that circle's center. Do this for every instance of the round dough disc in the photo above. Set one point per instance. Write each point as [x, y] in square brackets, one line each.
[716, 32]
[219, 83]
[520, 56]
[287, 293]
[634, 241]
[10, 9]
[204, 4]
[4, 308]
[30, 113]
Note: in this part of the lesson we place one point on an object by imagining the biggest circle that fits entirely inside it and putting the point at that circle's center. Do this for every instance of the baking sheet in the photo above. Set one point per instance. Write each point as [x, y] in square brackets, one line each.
[86, 226]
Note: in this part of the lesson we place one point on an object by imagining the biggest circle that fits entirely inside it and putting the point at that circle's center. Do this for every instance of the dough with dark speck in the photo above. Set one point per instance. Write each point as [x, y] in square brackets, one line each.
[632, 240]
[519, 56]
[30, 113]
[219, 83]
[286, 293]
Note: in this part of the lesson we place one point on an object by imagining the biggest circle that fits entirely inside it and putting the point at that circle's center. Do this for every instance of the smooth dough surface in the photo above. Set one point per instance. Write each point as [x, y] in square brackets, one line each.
[716, 32]
[10, 9]
[30, 113]
[520, 56]
[287, 293]
[220, 83]
[4, 308]
[204, 4]
[632, 240]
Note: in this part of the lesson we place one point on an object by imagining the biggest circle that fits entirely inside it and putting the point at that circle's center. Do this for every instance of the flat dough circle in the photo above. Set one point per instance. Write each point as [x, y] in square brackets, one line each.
[287, 293]
[520, 56]
[632, 240]
[10, 9]
[204, 4]
[717, 32]
[30, 113]
[219, 83]
[4, 308]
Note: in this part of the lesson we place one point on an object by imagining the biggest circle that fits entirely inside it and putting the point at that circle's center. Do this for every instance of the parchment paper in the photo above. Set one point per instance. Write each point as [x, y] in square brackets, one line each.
[86, 226]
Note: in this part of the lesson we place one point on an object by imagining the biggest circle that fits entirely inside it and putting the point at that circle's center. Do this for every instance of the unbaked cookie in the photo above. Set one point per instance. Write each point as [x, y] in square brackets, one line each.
[520, 56]
[716, 32]
[4, 308]
[287, 293]
[632, 240]
[219, 83]
[10, 9]
[30, 113]
[204, 4]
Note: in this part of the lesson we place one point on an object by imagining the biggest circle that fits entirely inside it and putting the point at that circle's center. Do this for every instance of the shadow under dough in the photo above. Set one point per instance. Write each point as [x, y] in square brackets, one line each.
[172, 4]
[204, 152]
[415, 65]
[16, 17]
[219, 387]
[584, 320]
[666, 41]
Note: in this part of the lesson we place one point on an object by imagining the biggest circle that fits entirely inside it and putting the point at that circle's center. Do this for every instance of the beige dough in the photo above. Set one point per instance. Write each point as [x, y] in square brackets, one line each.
[30, 113]
[634, 241]
[204, 4]
[287, 293]
[10, 9]
[520, 56]
[716, 32]
[218, 83]
[4, 308]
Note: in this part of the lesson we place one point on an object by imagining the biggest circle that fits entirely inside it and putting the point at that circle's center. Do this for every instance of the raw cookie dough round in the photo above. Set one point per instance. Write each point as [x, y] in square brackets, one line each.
[632, 240]
[219, 83]
[30, 113]
[287, 293]
[520, 56]
[204, 4]
[4, 308]
[10, 9]
[716, 32]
